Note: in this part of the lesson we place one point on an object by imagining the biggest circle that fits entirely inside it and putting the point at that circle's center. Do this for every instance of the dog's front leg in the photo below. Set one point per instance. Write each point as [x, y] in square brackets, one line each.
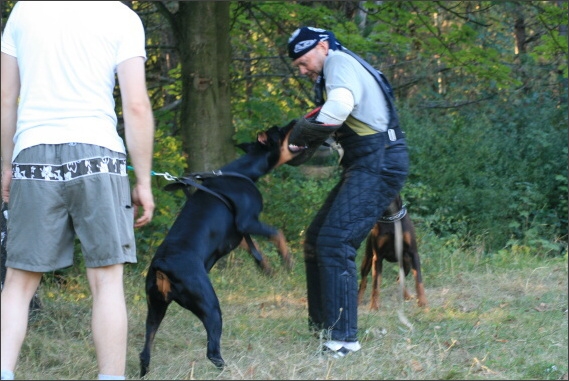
[365, 268]
[279, 240]
[420, 289]
[256, 227]
[376, 276]
[263, 263]
[416, 268]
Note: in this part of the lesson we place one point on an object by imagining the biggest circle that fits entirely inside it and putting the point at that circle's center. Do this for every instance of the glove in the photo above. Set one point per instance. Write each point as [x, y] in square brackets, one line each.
[307, 135]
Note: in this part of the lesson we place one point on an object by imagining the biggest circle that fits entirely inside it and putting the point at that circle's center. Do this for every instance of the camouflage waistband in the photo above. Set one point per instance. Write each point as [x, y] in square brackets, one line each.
[70, 170]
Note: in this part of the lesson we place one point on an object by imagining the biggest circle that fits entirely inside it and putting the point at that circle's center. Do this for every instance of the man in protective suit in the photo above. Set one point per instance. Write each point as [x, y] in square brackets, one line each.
[356, 107]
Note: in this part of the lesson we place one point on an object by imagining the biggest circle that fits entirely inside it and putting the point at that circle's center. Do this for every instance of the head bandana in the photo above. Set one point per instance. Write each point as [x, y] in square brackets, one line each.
[306, 38]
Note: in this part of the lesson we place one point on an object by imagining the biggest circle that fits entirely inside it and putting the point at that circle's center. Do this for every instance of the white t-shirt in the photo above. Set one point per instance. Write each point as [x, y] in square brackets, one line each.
[370, 108]
[67, 53]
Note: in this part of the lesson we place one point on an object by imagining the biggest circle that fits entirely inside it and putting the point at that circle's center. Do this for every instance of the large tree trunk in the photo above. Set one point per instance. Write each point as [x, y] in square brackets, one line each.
[202, 31]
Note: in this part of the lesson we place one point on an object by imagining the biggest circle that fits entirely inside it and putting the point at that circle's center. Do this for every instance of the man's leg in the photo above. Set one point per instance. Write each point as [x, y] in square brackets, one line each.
[348, 222]
[109, 319]
[314, 293]
[19, 288]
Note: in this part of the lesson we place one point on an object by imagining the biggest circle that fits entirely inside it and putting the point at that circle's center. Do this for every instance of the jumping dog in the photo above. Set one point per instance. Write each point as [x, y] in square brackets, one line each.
[216, 218]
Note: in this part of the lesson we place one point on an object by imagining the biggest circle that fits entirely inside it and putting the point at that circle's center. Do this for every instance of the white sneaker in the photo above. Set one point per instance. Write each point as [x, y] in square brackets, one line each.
[352, 346]
[341, 348]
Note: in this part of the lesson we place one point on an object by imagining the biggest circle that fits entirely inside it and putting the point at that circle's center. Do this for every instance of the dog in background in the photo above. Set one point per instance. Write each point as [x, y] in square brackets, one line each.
[380, 245]
[222, 212]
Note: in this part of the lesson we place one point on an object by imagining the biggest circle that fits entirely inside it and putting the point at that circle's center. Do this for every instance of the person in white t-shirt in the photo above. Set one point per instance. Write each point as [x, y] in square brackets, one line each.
[64, 164]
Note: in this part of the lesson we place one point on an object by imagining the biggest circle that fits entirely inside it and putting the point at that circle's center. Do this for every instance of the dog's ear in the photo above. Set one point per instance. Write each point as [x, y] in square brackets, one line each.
[273, 136]
[263, 137]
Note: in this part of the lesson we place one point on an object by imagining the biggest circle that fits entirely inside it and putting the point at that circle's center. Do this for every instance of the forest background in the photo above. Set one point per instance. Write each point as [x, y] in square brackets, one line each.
[481, 89]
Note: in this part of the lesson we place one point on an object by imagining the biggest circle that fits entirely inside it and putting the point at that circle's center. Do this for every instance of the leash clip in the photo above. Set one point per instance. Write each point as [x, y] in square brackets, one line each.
[166, 175]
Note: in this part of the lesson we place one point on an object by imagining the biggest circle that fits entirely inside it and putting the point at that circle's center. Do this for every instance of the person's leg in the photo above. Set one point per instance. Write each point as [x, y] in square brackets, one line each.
[358, 204]
[109, 319]
[100, 207]
[19, 288]
[314, 294]
[38, 240]
[349, 220]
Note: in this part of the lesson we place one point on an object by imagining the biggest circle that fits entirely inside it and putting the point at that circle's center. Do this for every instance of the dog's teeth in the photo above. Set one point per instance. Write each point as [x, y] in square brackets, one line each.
[295, 148]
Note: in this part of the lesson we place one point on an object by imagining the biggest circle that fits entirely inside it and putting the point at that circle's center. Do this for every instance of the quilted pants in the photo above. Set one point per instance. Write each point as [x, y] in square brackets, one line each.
[374, 171]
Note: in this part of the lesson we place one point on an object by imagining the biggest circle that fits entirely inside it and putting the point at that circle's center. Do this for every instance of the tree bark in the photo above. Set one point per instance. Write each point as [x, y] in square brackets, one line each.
[202, 31]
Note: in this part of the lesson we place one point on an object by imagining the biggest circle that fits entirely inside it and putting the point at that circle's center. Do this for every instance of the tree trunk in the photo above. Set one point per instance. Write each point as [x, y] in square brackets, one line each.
[202, 31]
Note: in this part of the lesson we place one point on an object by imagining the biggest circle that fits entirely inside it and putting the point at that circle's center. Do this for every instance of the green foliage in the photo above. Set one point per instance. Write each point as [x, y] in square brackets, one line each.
[553, 44]
[168, 159]
[481, 183]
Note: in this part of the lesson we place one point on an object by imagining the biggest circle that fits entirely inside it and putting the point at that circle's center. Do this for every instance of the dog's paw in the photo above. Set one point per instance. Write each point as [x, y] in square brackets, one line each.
[218, 362]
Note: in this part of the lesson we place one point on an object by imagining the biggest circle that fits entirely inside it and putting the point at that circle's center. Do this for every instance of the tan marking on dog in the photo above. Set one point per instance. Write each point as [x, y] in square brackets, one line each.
[286, 155]
[163, 284]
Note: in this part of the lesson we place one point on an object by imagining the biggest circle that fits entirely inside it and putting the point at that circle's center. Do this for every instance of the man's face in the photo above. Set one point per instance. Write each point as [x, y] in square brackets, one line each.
[312, 63]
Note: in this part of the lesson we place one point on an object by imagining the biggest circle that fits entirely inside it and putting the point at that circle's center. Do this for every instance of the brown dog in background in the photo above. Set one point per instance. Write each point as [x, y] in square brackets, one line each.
[380, 245]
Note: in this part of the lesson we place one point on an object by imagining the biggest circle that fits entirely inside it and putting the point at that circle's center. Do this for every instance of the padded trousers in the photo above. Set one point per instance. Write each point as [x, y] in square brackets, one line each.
[374, 171]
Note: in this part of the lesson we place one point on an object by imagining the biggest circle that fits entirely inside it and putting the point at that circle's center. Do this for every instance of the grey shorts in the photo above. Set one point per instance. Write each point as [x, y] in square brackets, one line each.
[60, 192]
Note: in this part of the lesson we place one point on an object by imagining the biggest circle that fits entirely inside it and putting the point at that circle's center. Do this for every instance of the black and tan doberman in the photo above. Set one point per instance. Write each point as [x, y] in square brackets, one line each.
[380, 245]
[215, 219]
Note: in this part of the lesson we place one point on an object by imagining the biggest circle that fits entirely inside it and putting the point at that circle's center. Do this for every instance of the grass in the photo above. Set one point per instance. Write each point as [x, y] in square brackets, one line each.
[490, 317]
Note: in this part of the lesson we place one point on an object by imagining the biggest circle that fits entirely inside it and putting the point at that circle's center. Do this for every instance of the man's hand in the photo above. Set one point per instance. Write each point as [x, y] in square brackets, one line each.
[6, 180]
[142, 198]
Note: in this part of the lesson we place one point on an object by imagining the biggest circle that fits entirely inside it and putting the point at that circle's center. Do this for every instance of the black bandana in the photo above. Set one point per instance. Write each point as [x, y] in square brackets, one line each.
[304, 39]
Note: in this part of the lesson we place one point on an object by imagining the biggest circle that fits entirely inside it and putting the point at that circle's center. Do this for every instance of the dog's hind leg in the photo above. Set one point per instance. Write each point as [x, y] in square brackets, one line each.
[157, 304]
[198, 296]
